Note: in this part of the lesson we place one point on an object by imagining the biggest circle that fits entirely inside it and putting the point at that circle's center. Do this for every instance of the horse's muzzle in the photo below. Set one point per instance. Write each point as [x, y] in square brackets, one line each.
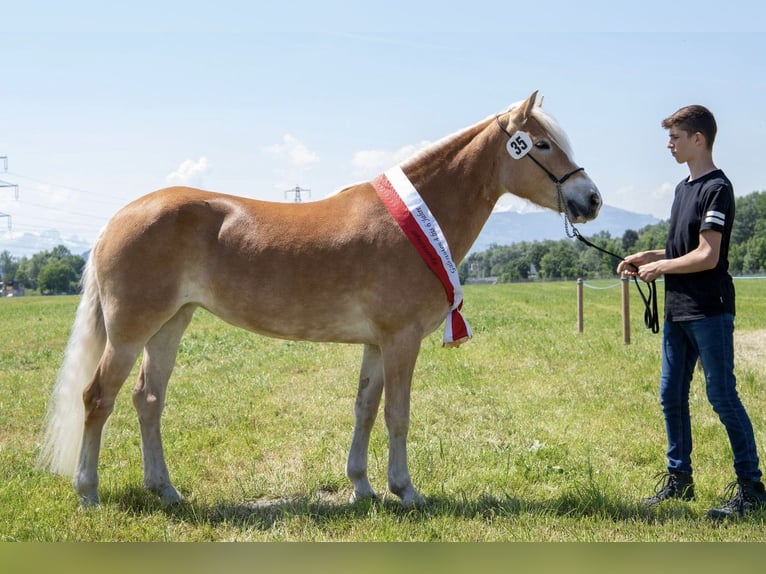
[584, 205]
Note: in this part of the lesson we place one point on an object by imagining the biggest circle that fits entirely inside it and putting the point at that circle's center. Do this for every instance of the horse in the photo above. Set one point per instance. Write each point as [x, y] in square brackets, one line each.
[339, 269]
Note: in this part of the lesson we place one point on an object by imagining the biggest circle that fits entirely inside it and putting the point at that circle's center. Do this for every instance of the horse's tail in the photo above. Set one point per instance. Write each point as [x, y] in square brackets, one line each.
[66, 412]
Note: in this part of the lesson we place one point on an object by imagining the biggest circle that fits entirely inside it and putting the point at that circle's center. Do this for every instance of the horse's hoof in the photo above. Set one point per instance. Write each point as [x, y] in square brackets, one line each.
[168, 495]
[88, 493]
[362, 496]
[88, 502]
[413, 500]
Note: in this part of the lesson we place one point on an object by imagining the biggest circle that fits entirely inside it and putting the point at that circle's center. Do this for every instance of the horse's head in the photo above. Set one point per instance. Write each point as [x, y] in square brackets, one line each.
[539, 165]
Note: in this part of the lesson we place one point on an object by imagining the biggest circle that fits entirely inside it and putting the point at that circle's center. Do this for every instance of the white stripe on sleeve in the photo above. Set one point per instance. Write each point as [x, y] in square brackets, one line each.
[715, 217]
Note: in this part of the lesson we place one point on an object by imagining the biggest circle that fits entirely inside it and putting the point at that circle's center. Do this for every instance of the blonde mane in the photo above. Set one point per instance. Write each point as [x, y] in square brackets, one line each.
[548, 122]
[554, 130]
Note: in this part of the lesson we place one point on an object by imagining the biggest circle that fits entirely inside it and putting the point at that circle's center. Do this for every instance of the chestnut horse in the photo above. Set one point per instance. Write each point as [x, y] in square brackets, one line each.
[335, 270]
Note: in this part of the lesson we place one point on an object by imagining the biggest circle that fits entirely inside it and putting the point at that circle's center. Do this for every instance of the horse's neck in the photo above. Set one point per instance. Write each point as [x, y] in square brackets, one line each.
[457, 180]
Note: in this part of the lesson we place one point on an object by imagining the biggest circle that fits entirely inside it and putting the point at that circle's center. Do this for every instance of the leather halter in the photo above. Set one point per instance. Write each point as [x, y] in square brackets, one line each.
[553, 178]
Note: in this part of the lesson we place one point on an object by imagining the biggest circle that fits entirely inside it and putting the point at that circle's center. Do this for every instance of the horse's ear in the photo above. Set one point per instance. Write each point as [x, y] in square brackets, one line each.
[526, 107]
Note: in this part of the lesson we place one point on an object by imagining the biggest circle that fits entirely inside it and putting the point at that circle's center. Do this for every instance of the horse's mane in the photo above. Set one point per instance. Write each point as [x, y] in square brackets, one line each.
[554, 130]
[548, 122]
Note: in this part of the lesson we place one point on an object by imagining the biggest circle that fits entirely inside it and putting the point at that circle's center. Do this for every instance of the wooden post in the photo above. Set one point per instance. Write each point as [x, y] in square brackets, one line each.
[625, 310]
[579, 304]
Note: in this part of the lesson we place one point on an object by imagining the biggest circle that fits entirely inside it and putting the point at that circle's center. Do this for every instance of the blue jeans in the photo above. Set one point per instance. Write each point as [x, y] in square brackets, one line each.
[712, 341]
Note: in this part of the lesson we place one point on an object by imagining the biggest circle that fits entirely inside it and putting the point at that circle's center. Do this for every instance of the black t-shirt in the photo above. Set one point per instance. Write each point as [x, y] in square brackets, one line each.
[700, 204]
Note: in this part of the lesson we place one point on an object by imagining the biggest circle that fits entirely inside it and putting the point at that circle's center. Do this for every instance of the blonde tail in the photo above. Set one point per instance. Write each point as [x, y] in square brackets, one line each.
[66, 413]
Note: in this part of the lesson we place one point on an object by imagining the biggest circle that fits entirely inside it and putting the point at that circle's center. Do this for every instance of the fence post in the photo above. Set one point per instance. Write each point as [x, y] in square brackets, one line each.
[579, 304]
[625, 310]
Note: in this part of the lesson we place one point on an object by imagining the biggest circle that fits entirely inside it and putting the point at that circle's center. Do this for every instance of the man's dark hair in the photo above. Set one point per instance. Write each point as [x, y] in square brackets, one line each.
[693, 119]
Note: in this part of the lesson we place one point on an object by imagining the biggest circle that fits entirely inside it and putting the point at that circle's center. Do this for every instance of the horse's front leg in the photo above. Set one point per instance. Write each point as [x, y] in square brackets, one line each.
[365, 412]
[399, 363]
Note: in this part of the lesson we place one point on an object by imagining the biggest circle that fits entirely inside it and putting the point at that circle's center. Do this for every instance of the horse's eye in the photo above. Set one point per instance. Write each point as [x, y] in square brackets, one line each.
[542, 144]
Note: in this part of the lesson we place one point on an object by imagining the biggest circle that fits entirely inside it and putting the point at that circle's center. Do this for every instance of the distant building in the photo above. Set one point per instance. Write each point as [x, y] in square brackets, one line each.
[11, 289]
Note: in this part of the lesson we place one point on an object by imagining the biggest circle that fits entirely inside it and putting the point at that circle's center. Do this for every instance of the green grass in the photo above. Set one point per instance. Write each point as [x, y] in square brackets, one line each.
[530, 432]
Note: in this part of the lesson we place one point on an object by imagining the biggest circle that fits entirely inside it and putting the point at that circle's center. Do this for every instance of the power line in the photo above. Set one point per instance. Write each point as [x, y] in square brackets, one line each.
[99, 195]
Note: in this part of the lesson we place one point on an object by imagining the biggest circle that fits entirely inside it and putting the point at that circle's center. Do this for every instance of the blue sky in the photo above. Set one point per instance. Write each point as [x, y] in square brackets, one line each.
[101, 103]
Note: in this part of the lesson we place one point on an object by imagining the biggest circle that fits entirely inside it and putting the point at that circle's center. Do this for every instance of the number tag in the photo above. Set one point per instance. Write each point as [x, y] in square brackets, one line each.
[519, 145]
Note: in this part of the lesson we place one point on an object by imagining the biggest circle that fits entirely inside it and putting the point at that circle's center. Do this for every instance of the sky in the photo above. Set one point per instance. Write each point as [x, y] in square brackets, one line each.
[101, 102]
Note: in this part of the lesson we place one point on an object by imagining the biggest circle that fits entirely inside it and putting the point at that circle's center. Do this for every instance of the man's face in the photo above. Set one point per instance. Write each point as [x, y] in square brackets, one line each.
[680, 144]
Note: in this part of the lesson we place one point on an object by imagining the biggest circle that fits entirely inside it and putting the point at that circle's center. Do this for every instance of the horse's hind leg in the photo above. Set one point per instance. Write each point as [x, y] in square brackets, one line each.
[98, 398]
[365, 411]
[149, 400]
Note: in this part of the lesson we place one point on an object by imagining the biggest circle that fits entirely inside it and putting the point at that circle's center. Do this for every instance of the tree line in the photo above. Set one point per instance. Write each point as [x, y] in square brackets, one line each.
[49, 272]
[570, 258]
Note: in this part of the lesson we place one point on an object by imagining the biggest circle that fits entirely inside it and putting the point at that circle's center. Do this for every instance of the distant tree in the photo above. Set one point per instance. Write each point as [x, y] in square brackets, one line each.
[56, 277]
[629, 239]
[652, 236]
[736, 257]
[24, 273]
[58, 252]
[28, 269]
[754, 259]
[517, 266]
[561, 263]
[750, 211]
[8, 266]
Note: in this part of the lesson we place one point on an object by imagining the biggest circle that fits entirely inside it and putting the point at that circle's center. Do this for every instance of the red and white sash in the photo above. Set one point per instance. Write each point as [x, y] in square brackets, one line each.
[412, 214]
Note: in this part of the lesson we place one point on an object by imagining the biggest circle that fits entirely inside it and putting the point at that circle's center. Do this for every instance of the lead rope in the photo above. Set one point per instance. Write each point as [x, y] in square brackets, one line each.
[651, 316]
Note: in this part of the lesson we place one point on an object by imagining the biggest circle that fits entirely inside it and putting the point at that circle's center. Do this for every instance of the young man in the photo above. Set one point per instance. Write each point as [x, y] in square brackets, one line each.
[699, 315]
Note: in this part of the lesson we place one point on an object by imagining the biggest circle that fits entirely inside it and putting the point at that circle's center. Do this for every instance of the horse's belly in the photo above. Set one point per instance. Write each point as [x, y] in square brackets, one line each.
[299, 321]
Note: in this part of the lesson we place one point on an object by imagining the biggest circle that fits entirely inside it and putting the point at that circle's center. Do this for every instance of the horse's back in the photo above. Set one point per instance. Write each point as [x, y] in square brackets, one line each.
[183, 225]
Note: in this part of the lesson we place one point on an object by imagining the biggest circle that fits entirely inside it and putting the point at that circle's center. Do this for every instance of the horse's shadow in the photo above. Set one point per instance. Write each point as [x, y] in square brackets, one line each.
[323, 507]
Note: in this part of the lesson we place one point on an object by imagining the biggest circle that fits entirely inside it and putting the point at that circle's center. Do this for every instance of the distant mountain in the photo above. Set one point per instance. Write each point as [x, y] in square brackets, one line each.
[507, 227]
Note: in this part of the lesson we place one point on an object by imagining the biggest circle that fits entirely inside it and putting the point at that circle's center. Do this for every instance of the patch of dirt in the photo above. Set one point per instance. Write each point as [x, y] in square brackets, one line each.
[750, 350]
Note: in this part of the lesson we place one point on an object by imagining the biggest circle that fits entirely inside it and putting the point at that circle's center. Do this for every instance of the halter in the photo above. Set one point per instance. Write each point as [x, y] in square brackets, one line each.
[553, 178]
[651, 316]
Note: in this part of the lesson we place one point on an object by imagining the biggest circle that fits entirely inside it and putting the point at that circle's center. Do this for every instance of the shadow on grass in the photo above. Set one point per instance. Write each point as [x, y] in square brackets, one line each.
[324, 507]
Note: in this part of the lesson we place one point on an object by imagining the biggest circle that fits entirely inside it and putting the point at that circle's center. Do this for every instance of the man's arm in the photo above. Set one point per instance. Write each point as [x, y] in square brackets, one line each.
[704, 257]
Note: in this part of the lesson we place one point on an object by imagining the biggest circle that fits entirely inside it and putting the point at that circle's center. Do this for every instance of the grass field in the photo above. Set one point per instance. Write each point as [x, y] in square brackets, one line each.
[530, 432]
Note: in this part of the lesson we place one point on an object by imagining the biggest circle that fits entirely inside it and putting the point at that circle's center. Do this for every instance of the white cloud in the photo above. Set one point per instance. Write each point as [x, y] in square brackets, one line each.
[293, 151]
[27, 244]
[190, 172]
[655, 202]
[370, 162]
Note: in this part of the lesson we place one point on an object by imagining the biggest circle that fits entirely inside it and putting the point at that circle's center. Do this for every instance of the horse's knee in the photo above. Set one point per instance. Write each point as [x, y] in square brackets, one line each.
[98, 407]
[144, 400]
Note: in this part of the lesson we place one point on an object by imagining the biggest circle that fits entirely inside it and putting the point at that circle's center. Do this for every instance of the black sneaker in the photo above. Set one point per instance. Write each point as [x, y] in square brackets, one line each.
[671, 484]
[749, 495]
